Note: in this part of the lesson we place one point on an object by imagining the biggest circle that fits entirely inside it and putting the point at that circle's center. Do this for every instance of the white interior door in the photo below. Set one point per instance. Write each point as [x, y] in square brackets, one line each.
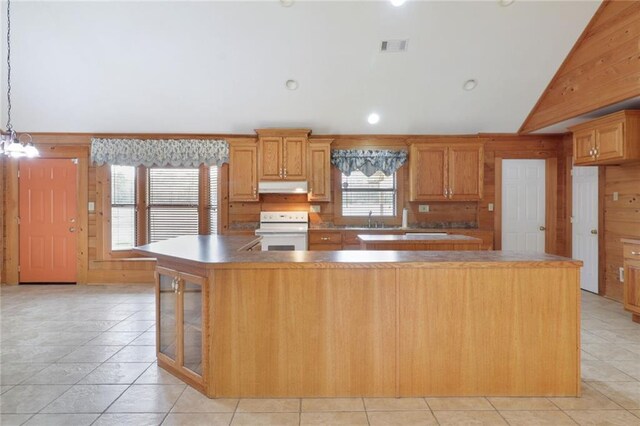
[523, 205]
[585, 224]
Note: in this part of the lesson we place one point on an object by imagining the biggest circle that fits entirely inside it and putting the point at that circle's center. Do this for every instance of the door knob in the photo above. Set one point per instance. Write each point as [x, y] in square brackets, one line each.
[594, 231]
[542, 228]
[72, 229]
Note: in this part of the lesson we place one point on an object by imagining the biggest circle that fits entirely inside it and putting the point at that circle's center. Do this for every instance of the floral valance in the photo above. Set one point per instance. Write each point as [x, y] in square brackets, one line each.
[368, 161]
[160, 152]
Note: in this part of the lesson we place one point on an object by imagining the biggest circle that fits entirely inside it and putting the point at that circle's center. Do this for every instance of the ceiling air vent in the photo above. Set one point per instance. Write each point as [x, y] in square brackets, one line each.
[394, 45]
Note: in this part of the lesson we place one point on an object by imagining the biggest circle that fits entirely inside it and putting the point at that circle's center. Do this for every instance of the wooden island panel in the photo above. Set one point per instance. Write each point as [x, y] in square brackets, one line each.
[311, 332]
[489, 332]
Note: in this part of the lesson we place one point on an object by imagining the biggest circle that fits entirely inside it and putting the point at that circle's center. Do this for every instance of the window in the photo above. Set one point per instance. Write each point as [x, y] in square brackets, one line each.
[154, 204]
[213, 199]
[172, 203]
[376, 194]
[123, 207]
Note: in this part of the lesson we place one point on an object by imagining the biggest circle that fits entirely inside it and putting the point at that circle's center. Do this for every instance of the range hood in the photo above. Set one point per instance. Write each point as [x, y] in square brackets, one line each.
[282, 187]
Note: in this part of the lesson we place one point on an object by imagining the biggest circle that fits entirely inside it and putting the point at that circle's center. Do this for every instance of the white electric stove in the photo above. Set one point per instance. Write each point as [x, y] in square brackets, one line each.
[283, 231]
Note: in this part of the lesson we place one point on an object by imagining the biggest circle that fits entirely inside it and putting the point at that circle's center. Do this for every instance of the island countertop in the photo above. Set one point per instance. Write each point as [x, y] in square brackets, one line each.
[390, 323]
[225, 252]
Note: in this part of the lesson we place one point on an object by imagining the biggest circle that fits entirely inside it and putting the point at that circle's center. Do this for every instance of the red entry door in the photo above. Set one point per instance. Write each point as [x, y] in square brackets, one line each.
[48, 239]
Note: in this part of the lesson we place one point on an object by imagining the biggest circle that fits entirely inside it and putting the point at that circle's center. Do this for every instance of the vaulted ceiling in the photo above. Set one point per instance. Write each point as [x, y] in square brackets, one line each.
[221, 67]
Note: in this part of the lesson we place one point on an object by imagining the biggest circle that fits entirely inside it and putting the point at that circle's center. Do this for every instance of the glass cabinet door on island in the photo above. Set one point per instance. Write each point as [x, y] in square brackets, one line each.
[181, 306]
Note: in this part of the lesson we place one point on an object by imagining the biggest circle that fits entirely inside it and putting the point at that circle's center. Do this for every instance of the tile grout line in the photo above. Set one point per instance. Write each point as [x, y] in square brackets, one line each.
[235, 410]
[174, 404]
[431, 410]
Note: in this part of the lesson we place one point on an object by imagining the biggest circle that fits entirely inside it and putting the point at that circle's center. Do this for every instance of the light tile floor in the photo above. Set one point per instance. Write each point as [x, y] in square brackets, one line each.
[84, 355]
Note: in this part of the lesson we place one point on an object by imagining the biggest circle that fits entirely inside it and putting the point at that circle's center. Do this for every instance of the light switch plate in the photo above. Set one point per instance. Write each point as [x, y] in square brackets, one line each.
[621, 273]
[615, 196]
[314, 208]
[423, 208]
[92, 206]
[490, 207]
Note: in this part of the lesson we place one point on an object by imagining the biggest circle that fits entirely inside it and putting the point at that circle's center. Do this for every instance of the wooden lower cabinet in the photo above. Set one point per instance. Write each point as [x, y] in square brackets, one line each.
[180, 331]
[631, 250]
[325, 240]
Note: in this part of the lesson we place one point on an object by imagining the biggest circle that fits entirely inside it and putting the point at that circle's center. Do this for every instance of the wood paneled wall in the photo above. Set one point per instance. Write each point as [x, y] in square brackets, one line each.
[137, 270]
[621, 220]
[603, 68]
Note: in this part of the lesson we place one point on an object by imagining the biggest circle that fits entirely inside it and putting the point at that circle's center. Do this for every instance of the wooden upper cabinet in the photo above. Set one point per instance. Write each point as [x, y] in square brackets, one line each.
[584, 143]
[446, 172]
[612, 139]
[466, 172]
[282, 154]
[294, 158]
[243, 171]
[428, 172]
[320, 170]
[270, 158]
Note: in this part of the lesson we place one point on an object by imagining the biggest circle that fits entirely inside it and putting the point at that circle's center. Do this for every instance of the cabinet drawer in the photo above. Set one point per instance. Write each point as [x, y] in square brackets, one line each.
[325, 237]
[631, 251]
[325, 247]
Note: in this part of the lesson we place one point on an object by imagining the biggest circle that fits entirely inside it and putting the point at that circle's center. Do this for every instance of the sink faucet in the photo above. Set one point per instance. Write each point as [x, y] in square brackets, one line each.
[369, 221]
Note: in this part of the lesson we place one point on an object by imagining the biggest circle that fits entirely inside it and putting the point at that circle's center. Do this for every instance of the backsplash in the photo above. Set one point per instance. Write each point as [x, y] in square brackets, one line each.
[246, 216]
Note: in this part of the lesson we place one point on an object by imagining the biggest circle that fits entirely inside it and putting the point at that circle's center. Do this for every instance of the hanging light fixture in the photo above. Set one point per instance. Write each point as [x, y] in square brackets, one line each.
[12, 144]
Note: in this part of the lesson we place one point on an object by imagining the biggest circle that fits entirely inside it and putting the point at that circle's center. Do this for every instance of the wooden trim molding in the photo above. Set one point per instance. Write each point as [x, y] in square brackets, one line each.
[401, 178]
[13, 213]
[602, 255]
[569, 206]
[551, 206]
[497, 213]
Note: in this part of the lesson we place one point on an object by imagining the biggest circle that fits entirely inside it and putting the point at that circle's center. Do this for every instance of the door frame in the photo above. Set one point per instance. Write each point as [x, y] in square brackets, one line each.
[601, 202]
[551, 202]
[81, 153]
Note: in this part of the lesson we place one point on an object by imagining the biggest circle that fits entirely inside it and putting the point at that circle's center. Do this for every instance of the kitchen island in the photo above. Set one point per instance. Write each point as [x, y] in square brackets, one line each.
[234, 323]
[418, 241]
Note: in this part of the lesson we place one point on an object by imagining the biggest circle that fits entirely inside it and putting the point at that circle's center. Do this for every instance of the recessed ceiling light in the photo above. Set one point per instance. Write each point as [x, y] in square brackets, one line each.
[286, 3]
[398, 3]
[291, 84]
[470, 84]
[505, 3]
[373, 118]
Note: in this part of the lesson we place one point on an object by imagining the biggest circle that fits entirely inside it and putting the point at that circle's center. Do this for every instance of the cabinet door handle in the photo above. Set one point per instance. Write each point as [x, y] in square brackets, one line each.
[285, 172]
[324, 238]
[591, 152]
[542, 228]
[446, 193]
[450, 192]
[594, 231]
[635, 253]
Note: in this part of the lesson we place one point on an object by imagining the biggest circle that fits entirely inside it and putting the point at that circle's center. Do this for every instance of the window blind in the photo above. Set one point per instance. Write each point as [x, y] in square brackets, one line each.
[362, 194]
[172, 202]
[213, 199]
[123, 207]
